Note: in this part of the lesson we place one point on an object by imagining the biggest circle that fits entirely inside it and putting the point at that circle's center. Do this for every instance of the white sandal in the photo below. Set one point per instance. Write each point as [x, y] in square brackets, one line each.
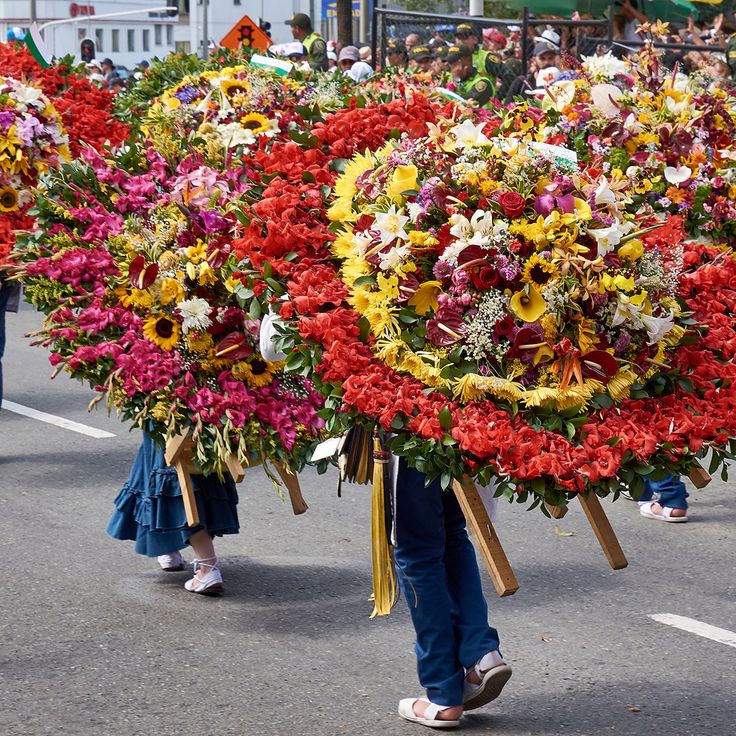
[209, 584]
[406, 711]
[645, 509]
[173, 562]
[494, 673]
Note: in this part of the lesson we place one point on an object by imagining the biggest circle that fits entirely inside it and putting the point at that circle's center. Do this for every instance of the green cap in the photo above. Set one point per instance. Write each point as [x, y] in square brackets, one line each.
[300, 20]
[458, 52]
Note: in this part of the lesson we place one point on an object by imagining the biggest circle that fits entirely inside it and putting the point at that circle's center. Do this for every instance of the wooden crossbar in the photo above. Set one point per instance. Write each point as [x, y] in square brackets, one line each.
[489, 544]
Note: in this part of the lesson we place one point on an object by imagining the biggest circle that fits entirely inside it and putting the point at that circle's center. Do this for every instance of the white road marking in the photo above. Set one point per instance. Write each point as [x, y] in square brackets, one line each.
[42, 416]
[722, 636]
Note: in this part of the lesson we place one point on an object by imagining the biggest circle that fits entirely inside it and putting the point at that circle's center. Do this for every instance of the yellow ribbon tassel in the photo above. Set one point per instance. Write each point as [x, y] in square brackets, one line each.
[384, 577]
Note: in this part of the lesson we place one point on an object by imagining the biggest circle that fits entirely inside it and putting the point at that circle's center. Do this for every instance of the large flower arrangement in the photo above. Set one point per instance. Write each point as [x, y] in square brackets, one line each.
[136, 275]
[32, 140]
[490, 271]
[85, 108]
[545, 442]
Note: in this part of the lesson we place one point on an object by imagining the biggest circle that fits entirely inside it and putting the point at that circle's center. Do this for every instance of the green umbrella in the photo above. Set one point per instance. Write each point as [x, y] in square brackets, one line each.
[667, 10]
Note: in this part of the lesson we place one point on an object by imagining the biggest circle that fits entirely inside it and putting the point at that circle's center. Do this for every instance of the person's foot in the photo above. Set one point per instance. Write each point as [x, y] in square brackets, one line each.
[654, 510]
[172, 562]
[421, 710]
[485, 680]
[207, 579]
[453, 713]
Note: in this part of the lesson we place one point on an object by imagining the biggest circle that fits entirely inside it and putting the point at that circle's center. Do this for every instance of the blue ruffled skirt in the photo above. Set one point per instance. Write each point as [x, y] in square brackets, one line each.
[150, 510]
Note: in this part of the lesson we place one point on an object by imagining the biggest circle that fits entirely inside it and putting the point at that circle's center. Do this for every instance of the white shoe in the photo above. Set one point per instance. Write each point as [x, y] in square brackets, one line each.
[406, 711]
[208, 584]
[494, 674]
[171, 563]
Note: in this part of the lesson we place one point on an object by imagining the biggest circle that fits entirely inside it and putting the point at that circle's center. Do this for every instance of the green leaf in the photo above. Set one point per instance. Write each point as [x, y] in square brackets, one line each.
[254, 312]
[445, 419]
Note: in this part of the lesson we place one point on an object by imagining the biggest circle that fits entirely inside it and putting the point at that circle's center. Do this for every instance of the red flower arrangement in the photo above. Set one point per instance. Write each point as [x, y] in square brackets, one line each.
[85, 108]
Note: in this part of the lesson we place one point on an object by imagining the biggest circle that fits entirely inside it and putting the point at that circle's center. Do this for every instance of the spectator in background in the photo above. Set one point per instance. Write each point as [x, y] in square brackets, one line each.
[366, 55]
[117, 86]
[301, 30]
[412, 40]
[109, 72]
[420, 59]
[349, 62]
[94, 71]
[494, 41]
[396, 55]
[331, 61]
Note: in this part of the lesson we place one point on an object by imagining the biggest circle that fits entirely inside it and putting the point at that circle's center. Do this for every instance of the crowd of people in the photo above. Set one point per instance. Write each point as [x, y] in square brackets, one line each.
[482, 63]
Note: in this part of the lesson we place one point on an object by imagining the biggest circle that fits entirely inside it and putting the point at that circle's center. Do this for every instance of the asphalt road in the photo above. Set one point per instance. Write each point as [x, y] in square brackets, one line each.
[96, 640]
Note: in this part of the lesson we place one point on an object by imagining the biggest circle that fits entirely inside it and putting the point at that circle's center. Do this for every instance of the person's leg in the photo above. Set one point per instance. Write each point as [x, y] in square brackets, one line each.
[470, 610]
[419, 555]
[4, 296]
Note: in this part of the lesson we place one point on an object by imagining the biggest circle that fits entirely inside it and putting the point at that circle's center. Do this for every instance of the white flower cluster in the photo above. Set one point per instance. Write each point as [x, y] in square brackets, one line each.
[479, 343]
[603, 68]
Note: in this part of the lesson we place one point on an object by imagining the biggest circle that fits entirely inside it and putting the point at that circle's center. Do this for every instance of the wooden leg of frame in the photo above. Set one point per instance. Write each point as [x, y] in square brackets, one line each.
[291, 481]
[187, 492]
[490, 547]
[699, 476]
[603, 530]
[556, 512]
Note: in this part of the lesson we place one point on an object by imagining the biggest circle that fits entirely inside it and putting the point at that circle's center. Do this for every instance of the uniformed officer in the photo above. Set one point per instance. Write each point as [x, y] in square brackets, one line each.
[301, 30]
[420, 58]
[395, 56]
[470, 84]
[486, 62]
[440, 68]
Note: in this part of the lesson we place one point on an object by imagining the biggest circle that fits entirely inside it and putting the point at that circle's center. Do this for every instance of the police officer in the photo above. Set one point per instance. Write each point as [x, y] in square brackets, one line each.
[486, 62]
[440, 68]
[301, 30]
[470, 84]
[420, 58]
[395, 56]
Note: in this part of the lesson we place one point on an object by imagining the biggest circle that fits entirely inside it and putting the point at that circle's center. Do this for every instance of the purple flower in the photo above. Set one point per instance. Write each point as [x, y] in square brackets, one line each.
[544, 204]
[212, 221]
[7, 118]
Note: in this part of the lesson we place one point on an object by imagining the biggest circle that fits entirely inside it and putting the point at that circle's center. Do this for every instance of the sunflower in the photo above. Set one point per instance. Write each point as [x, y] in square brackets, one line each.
[235, 87]
[255, 122]
[256, 372]
[8, 199]
[162, 330]
[538, 271]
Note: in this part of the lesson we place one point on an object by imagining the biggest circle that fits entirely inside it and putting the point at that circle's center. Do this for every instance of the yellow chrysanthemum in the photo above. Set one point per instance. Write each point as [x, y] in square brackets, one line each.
[619, 385]
[199, 342]
[171, 291]
[163, 331]
[345, 186]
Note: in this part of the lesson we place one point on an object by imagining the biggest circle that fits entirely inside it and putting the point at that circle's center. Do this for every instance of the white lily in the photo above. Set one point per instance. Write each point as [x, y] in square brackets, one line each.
[394, 257]
[607, 238]
[604, 194]
[657, 327]
[468, 135]
[390, 225]
[626, 311]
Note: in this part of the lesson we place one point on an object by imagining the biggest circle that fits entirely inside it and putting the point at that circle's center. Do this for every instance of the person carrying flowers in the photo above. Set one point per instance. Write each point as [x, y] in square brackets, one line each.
[458, 658]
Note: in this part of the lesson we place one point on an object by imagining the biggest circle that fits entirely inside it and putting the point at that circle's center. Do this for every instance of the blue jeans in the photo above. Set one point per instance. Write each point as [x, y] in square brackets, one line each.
[671, 491]
[4, 296]
[439, 576]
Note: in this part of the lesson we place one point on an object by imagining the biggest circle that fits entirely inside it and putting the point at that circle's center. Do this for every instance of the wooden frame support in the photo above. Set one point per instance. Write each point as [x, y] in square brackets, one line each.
[603, 530]
[699, 476]
[490, 547]
[178, 454]
[556, 512]
[291, 481]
